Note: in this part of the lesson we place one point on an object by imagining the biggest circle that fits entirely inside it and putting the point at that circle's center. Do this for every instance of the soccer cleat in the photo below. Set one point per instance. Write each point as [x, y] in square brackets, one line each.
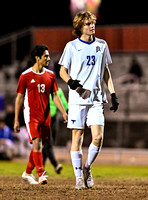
[58, 168]
[79, 183]
[88, 179]
[43, 179]
[29, 177]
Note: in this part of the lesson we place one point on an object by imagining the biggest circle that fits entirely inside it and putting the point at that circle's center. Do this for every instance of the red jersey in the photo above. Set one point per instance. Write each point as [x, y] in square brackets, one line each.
[37, 87]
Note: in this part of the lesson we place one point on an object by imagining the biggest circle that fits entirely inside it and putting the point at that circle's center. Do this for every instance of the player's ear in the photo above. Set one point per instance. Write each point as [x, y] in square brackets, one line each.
[37, 58]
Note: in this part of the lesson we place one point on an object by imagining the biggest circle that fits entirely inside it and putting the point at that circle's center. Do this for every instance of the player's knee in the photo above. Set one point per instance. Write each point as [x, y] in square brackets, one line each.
[98, 140]
[37, 145]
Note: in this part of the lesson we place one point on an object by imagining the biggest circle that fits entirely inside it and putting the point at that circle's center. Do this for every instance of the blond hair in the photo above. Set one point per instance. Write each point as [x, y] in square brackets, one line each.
[79, 19]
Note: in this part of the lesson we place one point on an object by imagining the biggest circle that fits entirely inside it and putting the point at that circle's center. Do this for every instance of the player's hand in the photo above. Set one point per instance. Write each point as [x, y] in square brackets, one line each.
[73, 84]
[16, 127]
[65, 116]
[115, 102]
[84, 93]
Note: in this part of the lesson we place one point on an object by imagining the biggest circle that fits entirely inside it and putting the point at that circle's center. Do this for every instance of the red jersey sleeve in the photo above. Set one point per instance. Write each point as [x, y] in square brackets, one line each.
[21, 88]
[55, 85]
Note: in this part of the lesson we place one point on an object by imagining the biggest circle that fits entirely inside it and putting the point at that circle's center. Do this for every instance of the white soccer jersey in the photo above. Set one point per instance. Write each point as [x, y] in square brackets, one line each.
[86, 62]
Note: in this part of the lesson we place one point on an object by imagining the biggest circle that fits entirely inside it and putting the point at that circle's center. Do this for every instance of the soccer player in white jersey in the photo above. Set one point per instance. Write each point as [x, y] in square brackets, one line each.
[84, 65]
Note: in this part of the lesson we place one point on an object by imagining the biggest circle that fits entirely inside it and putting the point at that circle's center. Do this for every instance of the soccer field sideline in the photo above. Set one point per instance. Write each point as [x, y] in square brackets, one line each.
[112, 156]
[124, 156]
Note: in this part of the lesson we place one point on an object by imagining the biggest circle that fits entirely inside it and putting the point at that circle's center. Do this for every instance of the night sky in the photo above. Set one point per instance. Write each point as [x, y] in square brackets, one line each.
[15, 16]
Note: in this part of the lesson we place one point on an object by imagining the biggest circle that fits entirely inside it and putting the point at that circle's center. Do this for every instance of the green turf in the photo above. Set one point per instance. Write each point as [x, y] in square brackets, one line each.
[15, 168]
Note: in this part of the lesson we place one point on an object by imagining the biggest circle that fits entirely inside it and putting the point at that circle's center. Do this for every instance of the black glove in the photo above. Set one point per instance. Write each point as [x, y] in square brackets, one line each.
[114, 101]
[73, 84]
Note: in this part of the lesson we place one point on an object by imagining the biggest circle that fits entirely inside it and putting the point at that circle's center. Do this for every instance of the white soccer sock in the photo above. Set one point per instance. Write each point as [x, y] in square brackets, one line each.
[76, 157]
[93, 152]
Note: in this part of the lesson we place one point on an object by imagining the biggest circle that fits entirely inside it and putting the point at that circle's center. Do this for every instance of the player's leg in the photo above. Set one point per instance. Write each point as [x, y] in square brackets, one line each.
[58, 166]
[38, 159]
[76, 156]
[45, 155]
[76, 151]
[37, 155]
[95, 120]
[96, 144]
[31, 164]
[27, 175]
[46, 143]
[76, 122]
[34, 132]
[47, 150]
[93, 151]
[49, 153]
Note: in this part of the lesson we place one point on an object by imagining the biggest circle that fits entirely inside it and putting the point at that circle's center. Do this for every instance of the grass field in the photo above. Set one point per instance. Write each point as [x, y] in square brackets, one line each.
[15, 168]
[114, 182]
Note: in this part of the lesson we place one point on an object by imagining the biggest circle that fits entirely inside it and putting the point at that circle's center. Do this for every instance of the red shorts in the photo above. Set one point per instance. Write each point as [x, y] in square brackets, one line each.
[36, 130]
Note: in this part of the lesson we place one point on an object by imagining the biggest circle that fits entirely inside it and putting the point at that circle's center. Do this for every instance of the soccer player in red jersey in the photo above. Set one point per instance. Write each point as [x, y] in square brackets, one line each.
[33, 90]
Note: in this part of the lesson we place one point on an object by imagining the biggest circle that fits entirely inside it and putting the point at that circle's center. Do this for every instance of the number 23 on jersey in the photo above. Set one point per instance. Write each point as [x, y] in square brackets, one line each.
[90, 60]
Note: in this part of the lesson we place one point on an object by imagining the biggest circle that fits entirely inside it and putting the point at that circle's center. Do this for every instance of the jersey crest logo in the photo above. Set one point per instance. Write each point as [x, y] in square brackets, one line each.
[98, 49]
[32, 81]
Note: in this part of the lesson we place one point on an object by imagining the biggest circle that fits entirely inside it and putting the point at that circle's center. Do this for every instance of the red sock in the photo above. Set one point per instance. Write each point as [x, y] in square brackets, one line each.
[38, 160]
[31, 164]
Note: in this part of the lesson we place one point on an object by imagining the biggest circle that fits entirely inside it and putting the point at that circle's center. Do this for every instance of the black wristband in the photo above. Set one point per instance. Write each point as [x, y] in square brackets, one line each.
[70, 81]
[113, 95]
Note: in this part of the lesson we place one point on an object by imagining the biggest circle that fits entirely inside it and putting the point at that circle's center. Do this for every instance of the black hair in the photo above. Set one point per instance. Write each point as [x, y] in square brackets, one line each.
[38, 50]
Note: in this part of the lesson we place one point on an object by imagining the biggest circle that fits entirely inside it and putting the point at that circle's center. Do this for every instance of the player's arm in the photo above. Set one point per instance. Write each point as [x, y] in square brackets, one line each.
[59, 105]
[108, 80]
[63, 74]
[73, 84]
[18, 104]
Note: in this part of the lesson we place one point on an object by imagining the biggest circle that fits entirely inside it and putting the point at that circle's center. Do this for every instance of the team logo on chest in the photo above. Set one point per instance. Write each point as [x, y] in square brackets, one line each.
[98, 49]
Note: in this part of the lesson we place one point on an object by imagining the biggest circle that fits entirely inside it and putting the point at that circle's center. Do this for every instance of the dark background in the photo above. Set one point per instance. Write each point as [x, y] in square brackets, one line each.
[22, 14]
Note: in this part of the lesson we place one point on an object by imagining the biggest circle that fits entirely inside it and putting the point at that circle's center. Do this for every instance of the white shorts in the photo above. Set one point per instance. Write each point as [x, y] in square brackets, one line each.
[78, 115]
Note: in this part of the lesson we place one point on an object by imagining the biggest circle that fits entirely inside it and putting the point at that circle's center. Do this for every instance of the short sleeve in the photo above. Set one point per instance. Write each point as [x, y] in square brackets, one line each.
[65, 59]
[21, 88]
[108, 56]
[55, 85]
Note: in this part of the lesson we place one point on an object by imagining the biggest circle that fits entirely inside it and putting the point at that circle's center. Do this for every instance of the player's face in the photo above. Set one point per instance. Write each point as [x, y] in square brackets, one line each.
[88, 27]
[45, 58]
